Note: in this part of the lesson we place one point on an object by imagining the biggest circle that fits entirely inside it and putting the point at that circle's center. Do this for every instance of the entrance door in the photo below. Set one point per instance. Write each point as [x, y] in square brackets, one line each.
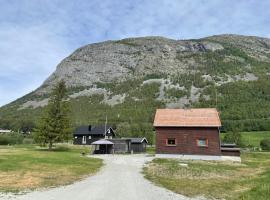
[84, 140]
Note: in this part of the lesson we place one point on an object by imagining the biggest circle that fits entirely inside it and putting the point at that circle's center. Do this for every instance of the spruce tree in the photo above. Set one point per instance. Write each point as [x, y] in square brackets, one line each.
[54, 125]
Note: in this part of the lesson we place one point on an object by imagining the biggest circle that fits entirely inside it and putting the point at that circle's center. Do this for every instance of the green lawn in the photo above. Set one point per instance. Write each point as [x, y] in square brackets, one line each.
[248, 180]
[28, 167]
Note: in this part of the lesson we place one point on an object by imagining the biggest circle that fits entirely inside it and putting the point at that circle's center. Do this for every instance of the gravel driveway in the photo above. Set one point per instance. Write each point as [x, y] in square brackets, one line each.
[119, 179]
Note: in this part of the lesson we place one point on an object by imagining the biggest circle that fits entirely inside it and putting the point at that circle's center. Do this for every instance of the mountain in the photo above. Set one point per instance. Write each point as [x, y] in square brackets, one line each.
[128, 79]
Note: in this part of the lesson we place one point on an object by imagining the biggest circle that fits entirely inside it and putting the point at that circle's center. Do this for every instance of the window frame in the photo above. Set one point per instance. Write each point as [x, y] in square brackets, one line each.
[84, 139]
[171, 145]
[206, 142]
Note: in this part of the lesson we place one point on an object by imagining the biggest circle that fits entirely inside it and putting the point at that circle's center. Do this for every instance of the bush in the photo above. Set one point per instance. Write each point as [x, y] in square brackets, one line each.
[265, 144]
[233, 137]
[10, 139]
[4, 140]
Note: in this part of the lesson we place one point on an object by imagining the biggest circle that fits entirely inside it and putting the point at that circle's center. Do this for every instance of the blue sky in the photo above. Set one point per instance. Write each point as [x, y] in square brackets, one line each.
[35, 35]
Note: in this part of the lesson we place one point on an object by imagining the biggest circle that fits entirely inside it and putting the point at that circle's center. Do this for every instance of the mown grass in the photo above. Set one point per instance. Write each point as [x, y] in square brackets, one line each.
[248, 180]
[25, 167]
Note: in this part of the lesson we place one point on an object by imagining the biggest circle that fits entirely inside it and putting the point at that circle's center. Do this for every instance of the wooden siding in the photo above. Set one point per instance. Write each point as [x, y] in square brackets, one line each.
[186, 140]
[121, 145]
[230, 152]
[138, 147]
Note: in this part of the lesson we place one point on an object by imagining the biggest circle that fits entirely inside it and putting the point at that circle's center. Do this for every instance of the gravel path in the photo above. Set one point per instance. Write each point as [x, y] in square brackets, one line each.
[119, 179]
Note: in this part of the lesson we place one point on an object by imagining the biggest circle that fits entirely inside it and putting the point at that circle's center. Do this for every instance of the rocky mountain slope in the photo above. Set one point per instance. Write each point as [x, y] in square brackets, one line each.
[127, 79]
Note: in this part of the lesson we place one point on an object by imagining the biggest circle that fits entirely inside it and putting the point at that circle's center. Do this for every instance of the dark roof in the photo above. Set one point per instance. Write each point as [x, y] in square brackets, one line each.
[138, 140]
[91, 130]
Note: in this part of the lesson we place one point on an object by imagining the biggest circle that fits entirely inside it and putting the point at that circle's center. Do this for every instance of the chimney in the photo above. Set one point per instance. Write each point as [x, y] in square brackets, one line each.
[90, 127]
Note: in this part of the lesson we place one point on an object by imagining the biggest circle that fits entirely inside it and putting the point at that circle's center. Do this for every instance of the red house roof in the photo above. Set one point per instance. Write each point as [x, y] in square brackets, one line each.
[197, 117]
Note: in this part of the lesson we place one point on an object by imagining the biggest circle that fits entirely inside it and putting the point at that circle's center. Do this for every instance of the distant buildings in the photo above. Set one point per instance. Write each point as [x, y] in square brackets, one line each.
[105, 142]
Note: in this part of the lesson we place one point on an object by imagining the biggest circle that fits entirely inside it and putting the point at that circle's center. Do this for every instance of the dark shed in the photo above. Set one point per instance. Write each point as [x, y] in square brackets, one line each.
[138, 144]
[121, 145]
[230, 150]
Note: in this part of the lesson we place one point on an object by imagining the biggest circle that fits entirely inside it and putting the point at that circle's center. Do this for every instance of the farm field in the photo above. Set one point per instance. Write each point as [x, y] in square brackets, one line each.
[226, 180]
[26, 167]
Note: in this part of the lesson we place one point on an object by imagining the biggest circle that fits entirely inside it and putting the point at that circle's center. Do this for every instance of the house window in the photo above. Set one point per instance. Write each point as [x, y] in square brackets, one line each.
[84, 140]
[171, 142]
[202, 142]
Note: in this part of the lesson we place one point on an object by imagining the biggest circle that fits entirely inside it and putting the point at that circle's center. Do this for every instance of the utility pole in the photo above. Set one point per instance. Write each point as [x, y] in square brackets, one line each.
[216, 97]
[105, 126]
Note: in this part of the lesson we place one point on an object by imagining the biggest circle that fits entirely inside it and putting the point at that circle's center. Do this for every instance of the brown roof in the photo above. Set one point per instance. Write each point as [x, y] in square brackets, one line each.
[198, 117]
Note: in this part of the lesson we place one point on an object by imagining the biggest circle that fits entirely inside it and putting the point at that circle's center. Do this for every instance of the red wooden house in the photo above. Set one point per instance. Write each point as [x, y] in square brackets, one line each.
[188, 131]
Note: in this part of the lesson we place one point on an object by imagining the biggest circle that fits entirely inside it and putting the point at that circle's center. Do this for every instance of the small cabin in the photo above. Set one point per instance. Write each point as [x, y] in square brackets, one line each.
[85, 135]
[188, 131]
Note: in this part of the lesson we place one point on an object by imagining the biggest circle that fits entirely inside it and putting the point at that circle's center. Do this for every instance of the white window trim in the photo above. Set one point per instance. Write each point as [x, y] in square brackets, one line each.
[84, 140]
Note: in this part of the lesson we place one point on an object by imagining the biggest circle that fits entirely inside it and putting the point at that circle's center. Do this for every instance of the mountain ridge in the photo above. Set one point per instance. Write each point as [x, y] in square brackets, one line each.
[158, 71]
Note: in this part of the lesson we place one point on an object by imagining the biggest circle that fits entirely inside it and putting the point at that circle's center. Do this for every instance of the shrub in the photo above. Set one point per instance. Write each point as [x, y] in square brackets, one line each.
[4, 140]
[10, 139]
[233, 137]
[265, 144]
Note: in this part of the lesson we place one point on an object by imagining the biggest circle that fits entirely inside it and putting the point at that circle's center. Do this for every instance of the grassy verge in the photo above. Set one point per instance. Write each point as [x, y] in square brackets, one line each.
[27, 167]
[248, 180]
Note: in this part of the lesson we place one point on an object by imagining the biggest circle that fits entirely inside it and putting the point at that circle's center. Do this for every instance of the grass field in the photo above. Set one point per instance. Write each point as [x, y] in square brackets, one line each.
[248, 180]
[27, 168]
[253, 138]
